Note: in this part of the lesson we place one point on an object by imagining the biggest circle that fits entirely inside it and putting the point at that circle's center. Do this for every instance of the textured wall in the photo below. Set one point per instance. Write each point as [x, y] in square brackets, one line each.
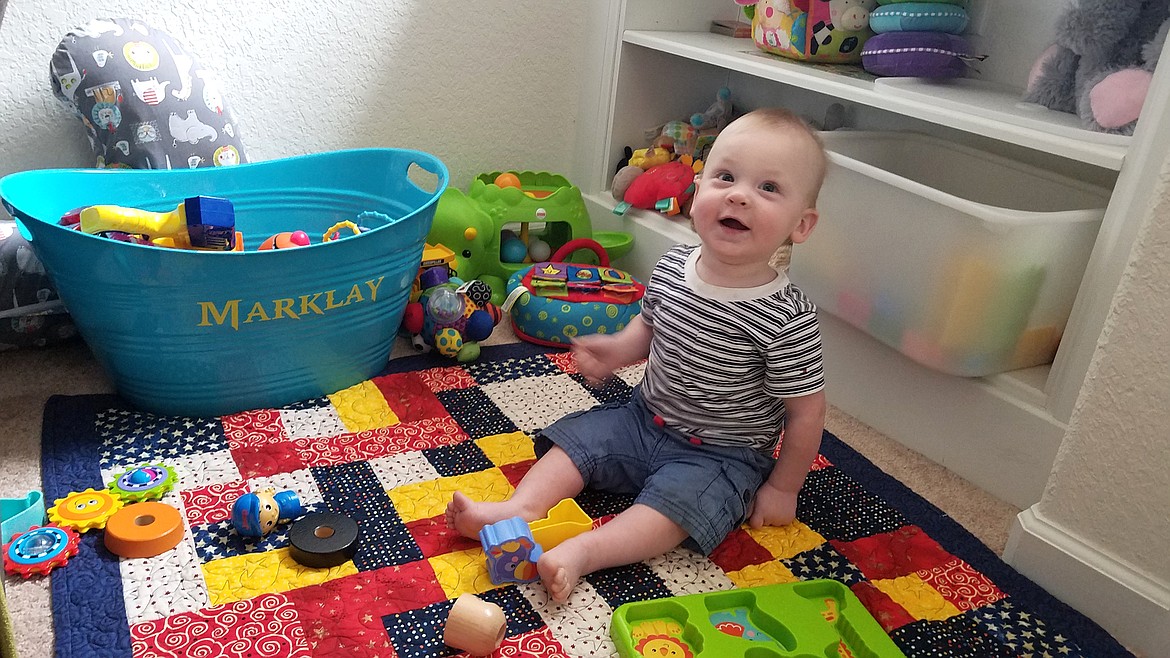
[1111, 482]
[484, 86]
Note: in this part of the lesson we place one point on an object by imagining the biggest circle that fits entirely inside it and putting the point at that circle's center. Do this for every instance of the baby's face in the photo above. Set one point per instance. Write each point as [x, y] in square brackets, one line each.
[754, 193]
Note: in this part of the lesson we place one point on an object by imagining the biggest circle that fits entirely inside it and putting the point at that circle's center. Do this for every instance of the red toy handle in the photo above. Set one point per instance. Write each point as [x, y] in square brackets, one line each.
[581, 243]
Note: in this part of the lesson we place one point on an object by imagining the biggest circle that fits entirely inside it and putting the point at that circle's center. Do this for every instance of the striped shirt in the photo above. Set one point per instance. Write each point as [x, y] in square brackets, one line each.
[721, 359]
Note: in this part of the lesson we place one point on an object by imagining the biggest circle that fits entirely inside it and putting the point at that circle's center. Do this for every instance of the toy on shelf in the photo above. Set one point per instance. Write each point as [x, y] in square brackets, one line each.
[693, 136]
[544, 207]
[666, 187]
[85, 510]
[566, 519]
[146, 482]
[475, 626]
[200, 222]
[813, 617]
[1102, 63]
[144, 530]
[255, 514]
[448, 315]
[810, 30]
[20, 514]
[40, 550]
[553, 302]
[511, 551]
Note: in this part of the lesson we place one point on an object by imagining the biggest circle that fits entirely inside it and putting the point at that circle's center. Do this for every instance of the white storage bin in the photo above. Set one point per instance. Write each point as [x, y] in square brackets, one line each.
[965, 261]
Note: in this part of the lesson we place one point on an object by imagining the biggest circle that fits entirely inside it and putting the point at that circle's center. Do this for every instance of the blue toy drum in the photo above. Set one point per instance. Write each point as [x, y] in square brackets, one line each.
[201, 333]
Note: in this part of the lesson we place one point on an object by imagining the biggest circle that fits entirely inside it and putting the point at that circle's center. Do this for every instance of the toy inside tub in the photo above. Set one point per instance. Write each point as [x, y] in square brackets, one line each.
[799, 620]
[508, 220]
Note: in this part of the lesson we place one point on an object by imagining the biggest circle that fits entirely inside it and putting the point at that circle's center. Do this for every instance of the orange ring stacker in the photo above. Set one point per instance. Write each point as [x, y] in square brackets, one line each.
[144, 530]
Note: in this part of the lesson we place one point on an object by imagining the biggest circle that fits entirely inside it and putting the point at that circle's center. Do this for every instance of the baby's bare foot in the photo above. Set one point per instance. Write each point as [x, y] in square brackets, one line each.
[467, 516]
[560, 570]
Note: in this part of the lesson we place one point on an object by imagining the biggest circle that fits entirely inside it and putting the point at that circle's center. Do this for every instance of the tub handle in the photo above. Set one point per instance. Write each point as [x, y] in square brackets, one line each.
[440, 176]
[20, 218]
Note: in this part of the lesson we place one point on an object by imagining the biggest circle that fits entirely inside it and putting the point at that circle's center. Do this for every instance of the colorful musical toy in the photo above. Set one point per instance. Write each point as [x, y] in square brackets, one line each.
[255, 514]
[40, 550]
[85, 510]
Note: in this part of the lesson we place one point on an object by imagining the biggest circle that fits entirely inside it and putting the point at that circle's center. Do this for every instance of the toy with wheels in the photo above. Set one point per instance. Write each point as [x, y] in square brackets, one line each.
[553, 302]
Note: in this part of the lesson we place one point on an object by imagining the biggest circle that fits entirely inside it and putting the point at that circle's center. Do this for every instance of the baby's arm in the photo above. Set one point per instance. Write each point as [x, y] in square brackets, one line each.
[598, 355]
[775, 503]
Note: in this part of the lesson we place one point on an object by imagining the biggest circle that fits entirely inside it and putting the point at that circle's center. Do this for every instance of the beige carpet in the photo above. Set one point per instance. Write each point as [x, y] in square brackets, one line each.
[28, 378]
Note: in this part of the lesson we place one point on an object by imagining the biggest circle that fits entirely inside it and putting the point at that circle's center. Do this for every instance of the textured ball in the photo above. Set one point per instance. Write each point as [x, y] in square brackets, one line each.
[478, 291]
[445, 305]
[539, 251]
[448, 342]
[470, 352]
[412, 318]
[507, 179]
[513, 251]
[494, 311]
[479, 325]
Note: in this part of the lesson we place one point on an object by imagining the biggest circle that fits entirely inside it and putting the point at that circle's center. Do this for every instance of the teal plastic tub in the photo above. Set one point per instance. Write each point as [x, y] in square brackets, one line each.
[197, 333]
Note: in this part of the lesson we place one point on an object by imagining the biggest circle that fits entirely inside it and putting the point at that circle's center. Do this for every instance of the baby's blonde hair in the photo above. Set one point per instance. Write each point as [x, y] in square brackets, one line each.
[785, 119]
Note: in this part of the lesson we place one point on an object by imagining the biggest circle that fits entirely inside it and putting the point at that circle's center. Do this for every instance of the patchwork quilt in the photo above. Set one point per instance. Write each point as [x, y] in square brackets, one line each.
[390, 451]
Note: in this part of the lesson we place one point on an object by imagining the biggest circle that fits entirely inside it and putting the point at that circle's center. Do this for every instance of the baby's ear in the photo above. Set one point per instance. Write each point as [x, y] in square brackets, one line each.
[808, 221]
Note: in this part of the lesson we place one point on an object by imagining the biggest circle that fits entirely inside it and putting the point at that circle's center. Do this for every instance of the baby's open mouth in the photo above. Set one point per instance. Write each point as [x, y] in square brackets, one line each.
[733, 223]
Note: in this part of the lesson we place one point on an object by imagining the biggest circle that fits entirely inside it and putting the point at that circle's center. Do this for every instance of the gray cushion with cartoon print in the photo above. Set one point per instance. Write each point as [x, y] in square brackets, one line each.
[145, 102]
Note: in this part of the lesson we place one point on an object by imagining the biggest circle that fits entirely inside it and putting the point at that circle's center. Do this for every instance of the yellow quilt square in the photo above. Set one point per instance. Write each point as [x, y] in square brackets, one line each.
[786, 541]
[917, 596]
[507, 448]
[767, 573]
[362, 407]
[462, 572]
[423, 500]
[245, 576]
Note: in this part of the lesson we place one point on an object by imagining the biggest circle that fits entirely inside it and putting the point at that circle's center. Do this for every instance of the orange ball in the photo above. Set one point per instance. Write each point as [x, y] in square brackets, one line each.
[507, 179]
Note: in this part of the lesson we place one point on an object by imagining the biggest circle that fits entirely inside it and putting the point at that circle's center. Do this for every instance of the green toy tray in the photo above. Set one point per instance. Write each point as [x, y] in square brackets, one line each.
[809, 619]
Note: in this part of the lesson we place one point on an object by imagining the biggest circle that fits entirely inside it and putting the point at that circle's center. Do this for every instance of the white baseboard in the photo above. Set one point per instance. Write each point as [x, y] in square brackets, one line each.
[1132, 606]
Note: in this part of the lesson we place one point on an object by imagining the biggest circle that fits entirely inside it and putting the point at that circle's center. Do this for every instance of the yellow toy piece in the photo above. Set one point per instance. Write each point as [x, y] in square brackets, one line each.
[650, 157]
[85, 510]
[566, 519]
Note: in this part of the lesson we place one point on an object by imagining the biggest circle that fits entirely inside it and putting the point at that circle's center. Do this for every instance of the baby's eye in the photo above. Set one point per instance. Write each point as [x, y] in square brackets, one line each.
[770, 187]
[725, 176]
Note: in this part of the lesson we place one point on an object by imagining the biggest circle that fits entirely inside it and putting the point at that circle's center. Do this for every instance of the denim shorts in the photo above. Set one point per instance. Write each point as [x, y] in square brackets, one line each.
[620, 449]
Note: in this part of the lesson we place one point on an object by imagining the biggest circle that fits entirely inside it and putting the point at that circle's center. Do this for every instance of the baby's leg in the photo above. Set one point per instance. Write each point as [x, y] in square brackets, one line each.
[551, 479]
[637, 534]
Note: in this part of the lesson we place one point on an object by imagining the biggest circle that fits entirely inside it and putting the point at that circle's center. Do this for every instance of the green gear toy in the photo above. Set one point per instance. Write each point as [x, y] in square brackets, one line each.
[146, 482]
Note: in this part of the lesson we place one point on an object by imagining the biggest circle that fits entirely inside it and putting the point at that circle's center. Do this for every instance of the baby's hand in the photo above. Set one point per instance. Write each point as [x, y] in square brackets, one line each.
[772, 507]
[590, 353]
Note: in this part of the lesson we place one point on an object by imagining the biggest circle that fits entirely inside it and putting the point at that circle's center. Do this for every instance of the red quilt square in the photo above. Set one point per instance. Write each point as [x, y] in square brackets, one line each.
[264, 460]
[256, 628]
[564, 361]
[380, 442]
[445, 379]
[820, 462]
[343, 617]
[253, 428]
[435, 538]
[516, 471]
[539, 643]
[739, 550]
[211, 503]
[885, 610]
[962, 585]
[409, 397]
[893, 554]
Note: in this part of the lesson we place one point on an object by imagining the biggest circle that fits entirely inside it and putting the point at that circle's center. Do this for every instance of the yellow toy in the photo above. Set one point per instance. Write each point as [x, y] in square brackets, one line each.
[566, 519]
[85, 510]
[200, 222]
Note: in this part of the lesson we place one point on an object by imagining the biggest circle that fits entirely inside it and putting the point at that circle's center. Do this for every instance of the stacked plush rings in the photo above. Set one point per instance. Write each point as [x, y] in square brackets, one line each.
[917, 39]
